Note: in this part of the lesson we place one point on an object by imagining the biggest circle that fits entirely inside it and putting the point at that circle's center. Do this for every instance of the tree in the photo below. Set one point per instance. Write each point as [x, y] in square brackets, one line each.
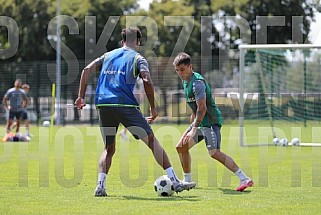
[296, 15]
[250, 10]
[168, 35]
[32, 18]
[99, 11]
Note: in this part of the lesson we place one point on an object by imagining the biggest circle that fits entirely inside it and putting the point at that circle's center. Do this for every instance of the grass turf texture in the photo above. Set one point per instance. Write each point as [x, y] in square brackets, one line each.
[287, 179]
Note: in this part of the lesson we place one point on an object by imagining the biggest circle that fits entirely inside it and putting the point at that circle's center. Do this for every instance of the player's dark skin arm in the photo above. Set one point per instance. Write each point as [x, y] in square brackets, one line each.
[149, 90]
[90, 68]
[85, 74]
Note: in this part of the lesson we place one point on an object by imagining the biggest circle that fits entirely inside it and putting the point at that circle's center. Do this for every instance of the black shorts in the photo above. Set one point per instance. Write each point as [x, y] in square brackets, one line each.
[130, 117]
[24, 115]
[211, 135]
[15, 114]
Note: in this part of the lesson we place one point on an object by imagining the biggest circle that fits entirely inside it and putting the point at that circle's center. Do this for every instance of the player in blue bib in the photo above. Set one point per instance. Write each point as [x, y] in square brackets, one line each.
[117, 104]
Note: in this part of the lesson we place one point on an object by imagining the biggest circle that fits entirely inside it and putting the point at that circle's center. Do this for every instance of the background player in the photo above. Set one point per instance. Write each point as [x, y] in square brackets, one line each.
[24, 116]
[18, 101]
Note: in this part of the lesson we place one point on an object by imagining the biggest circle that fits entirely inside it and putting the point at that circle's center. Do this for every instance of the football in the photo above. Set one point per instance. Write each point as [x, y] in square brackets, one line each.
[46, 123]
[295, 142]
[283, 142]
[276, 141]
[164, 186]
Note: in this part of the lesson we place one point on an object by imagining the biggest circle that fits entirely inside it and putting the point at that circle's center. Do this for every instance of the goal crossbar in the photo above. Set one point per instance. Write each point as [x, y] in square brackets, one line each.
[278, 46]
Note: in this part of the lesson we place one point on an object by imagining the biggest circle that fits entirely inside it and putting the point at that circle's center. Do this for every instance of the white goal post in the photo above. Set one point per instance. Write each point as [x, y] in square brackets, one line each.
[265, 66]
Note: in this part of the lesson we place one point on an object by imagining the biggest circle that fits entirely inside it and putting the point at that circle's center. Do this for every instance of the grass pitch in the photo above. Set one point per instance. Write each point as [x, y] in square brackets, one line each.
[56, 173]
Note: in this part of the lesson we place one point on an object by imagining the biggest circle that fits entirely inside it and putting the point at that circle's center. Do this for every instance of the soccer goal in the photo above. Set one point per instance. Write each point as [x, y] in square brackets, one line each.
[280, 94]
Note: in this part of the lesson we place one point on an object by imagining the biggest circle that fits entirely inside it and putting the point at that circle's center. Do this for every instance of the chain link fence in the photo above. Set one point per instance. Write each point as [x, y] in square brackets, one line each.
[168, 89]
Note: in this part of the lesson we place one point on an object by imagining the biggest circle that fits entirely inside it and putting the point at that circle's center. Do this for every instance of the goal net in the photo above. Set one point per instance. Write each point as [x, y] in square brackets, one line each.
[279, 93]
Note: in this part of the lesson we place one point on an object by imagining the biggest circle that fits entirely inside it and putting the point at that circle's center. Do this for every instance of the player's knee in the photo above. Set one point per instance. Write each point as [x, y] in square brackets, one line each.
[214, 153]
[180, 148]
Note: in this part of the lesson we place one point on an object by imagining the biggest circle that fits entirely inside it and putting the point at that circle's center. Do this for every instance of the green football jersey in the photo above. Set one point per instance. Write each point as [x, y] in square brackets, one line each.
[213, 114]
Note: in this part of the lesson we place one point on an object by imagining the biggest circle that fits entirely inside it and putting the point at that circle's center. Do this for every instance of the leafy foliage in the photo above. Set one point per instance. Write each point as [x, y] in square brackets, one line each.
[253, 10]
[32, 18]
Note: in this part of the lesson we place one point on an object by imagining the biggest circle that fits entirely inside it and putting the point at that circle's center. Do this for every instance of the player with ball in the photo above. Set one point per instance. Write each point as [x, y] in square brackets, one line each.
[117, 104]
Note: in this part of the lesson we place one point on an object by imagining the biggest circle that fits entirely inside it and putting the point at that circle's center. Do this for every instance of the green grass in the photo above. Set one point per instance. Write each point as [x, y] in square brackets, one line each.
[59, 177]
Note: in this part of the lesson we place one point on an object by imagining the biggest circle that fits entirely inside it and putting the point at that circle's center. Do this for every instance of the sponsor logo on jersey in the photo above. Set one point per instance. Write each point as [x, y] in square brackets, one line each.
[112, 72]
[191, 99]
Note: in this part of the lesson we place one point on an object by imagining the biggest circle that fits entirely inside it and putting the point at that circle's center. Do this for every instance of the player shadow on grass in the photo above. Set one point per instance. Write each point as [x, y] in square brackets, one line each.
[170, 198]
[228, 191]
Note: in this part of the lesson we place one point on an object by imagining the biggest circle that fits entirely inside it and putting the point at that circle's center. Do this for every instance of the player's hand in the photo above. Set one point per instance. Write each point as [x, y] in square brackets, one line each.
[153, 116]
[189, 135]
[80, 103]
